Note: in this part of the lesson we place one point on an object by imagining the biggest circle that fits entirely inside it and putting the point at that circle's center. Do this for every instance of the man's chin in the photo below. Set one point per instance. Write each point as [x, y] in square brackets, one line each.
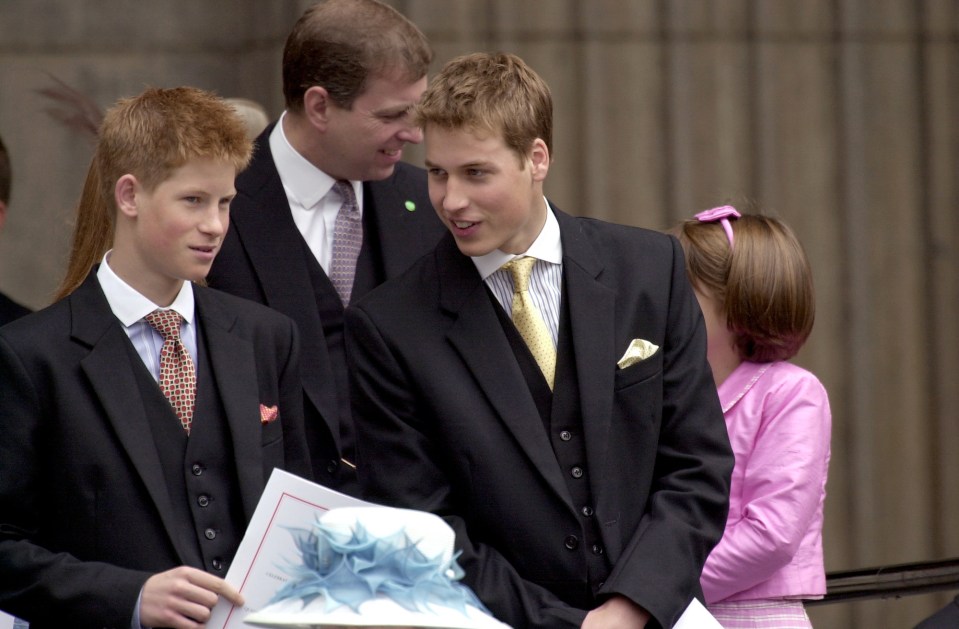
[473, 250]
[198, 276]
[381, 173]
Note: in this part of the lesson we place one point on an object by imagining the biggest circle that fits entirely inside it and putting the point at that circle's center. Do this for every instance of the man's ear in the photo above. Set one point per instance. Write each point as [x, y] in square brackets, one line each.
[125, 195]
[3, 214]
[539, 159]
[316, 106]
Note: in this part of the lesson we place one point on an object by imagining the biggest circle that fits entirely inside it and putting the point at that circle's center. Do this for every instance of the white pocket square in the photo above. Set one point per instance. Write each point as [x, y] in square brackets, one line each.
[639, 349]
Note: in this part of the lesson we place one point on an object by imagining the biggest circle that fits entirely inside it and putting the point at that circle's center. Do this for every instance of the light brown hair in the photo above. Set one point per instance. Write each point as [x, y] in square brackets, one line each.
[148, 136]
[340, 44]
[764, 282]
[490, 92]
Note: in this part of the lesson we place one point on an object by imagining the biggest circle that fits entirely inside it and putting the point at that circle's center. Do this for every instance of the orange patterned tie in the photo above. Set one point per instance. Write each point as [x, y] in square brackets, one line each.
[528, 319]
[177, 373]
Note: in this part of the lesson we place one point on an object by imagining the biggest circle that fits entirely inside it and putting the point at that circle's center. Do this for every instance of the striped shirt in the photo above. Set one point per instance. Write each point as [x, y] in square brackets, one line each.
[545, 287]
[546, 279]
[130, 307]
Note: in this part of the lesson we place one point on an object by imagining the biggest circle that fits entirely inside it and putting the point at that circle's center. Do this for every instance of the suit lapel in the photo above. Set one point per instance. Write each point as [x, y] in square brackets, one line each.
[404, 234]
[592, 317]
[233, 363]
[109, 370]
[384, 207]
[478, 337]
[276, 249]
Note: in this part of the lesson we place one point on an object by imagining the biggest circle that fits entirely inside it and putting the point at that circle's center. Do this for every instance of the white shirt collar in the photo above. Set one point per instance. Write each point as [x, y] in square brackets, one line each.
[548, 247]
[129, 305]
[302, 180]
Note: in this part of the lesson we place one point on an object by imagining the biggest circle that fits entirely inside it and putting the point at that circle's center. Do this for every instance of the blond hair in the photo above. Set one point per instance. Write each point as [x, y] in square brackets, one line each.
[495, 93]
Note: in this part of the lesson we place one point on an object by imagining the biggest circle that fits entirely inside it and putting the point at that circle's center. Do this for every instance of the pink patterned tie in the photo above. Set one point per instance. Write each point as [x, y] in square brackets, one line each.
[347, 241]
[177, 373]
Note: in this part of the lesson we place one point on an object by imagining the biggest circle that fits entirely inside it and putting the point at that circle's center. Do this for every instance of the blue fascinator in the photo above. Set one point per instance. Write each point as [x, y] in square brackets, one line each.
[375, 566]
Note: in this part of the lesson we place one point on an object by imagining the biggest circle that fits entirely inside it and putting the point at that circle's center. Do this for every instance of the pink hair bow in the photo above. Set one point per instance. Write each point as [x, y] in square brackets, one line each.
[722, 214]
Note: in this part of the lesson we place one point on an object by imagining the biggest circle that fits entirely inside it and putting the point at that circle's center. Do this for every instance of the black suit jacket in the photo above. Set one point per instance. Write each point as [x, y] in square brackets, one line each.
[263, 259]
[10, 310]
[945, 618]
[85, 514]
[447, 423]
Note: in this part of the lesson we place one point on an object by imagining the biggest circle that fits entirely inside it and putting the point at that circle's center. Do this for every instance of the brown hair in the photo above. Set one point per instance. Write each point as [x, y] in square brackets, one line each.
[490, 92]
[764, 282]
[6, 176]
[148, 136]
[340, 44]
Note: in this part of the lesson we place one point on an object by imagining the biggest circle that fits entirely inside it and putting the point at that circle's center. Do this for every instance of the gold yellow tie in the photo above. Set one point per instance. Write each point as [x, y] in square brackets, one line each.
[528, 320]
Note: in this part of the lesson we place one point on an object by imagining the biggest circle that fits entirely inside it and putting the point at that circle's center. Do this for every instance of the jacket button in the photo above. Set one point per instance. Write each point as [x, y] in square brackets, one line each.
[576, 472]
[218, 565]
[597, 549]
[587, 511]
[209, 534]
[571, 542]
[197, 469]
[203, 500]
[332, 465]
[565, 435]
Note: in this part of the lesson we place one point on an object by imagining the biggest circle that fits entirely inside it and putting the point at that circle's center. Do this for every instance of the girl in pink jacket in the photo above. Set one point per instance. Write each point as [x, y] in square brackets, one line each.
[754, 285]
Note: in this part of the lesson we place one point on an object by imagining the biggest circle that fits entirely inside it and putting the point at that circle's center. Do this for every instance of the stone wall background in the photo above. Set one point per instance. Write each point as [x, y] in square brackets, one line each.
[837, 115]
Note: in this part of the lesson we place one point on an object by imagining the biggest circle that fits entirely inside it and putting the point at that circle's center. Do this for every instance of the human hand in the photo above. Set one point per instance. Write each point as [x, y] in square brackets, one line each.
[617, 612]
[182, 598]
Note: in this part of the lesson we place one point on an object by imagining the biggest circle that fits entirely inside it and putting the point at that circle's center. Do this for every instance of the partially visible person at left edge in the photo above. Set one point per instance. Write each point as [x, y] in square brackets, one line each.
[327, 210]
[9, 309]
[142, 414]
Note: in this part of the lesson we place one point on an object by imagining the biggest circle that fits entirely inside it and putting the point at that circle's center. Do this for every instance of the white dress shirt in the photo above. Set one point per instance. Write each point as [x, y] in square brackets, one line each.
[545, 282]
[309, 191]
[130, 307]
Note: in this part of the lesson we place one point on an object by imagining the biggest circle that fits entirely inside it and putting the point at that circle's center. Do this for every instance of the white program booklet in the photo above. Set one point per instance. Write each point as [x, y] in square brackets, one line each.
[293, 502]
[697, 617]
[287, 502]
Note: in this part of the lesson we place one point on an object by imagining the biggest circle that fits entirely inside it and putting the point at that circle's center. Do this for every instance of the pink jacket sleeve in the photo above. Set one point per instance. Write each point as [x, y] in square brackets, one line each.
[780, 431]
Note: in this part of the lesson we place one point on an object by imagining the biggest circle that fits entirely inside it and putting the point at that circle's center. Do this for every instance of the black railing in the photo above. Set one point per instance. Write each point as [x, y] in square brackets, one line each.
[890, 581]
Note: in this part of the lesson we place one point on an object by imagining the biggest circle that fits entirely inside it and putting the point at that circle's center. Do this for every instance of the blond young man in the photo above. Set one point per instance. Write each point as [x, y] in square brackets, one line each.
[585, 467]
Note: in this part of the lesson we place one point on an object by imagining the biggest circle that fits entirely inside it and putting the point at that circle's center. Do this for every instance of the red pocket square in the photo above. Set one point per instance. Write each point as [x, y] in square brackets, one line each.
[268, 414]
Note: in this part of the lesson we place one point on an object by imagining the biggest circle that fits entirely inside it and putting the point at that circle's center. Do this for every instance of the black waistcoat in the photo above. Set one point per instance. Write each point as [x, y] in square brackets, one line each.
[370, 272]
[200, 470]
[330, 308]
[561, 413]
